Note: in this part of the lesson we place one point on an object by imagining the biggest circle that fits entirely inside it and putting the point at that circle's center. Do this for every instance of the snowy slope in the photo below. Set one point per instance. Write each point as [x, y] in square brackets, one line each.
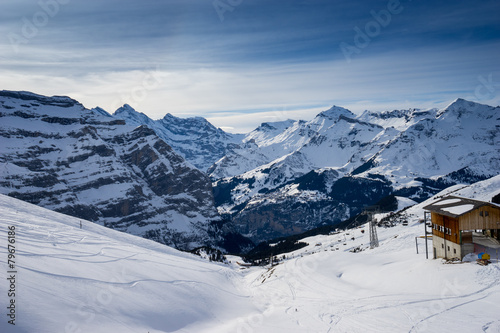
[97, 280]
[324, 287]
[267, 132]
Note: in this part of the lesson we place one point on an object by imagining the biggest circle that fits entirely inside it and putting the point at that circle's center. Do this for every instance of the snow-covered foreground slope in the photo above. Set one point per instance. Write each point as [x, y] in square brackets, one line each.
[326, 288]
[388, 289]
[99, 280]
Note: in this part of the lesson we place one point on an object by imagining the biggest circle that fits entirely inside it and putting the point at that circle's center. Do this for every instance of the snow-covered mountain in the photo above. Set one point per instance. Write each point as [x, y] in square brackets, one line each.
[278, 141]
[280, 179]
[257, 148]
[93, 279]
[462, 140]
[57, 154]
[196, 139]
[333, 165]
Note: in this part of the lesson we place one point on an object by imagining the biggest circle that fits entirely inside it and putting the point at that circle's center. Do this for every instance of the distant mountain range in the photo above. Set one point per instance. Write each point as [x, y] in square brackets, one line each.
[329, 168]
[185, 182]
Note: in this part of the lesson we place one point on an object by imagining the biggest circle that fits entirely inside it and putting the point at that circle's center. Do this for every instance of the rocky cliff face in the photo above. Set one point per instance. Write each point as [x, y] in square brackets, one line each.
[197, 140]
[57, 154]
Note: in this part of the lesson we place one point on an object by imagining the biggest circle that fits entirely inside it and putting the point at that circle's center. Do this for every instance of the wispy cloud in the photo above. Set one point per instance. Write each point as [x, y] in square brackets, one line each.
[264, 56]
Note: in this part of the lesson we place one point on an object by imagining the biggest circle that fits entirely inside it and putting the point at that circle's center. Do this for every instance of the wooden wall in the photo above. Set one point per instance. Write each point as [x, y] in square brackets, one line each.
[446, 222]
[473, 220]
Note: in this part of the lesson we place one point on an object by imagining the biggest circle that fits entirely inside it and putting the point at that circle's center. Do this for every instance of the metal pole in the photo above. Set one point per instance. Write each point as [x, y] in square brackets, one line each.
[416, 244]
[425, 228]
[426, 249]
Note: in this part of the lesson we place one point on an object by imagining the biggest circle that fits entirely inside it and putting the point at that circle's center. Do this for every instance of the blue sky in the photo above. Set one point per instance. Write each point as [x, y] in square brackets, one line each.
[242, 62]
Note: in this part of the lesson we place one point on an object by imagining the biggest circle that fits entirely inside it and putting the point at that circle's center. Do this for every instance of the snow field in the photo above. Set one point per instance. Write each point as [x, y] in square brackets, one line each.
[388, 289]
[326, 288]
[98, 280]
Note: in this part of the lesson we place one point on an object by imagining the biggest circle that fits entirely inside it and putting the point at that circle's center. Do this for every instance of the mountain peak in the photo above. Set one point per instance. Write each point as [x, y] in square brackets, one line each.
[461, 106]
[126, 108]
[335, 112]
[169, 116]
[459, 102]
[276, 125]
[190, 121]
[132, 116]
[129, 112]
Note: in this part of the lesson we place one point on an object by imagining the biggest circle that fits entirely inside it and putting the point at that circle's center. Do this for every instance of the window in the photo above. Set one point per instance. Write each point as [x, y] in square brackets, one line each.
[448, 248]
[481, 213]
[442, 246]
[455, 251]
[486, 213]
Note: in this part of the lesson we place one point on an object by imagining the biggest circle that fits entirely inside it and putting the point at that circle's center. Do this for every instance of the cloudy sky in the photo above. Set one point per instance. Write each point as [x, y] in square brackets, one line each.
[242, 62]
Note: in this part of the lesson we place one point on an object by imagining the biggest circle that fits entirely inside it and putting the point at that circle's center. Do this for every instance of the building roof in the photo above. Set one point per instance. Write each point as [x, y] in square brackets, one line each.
[454, 206]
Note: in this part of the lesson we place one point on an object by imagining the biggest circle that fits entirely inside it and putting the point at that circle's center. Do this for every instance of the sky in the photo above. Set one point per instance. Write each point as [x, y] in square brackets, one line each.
[239, 63]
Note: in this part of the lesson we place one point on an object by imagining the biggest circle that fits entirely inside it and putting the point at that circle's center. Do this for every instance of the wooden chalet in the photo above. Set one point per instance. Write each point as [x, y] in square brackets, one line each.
[461, 226]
